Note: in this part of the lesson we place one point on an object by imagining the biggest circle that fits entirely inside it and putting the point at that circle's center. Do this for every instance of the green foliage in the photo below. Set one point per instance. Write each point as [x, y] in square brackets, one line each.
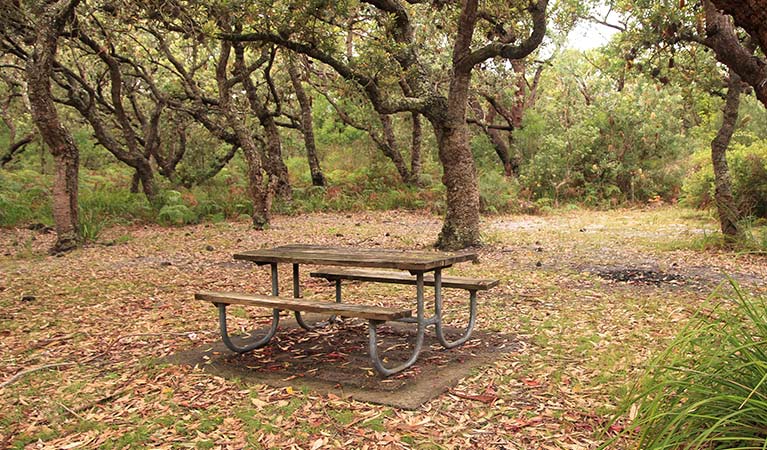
[368, 188]
[748, 173]
[497, 193]
[24, 198]
[588, 142]
[709, 388]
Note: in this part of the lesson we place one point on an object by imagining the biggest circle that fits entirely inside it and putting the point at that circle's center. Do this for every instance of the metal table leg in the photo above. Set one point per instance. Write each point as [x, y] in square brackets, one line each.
[250, 346]
[373, 336]
[438, 314]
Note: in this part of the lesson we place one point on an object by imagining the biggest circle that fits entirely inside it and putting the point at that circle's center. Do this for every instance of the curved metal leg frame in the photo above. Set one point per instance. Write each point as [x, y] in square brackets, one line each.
[372, 324]
[253, 345]
[438, 314]
[297, 294]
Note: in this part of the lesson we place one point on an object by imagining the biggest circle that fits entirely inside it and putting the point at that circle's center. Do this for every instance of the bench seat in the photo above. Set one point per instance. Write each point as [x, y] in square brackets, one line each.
[380, 276]
[298, 304]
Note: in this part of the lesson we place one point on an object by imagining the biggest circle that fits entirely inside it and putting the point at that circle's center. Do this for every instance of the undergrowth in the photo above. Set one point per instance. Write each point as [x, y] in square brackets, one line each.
[105, 198]
[708, 389]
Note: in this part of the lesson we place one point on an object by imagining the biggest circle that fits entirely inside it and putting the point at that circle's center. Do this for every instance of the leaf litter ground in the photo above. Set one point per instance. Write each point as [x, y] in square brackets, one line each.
[95, 322]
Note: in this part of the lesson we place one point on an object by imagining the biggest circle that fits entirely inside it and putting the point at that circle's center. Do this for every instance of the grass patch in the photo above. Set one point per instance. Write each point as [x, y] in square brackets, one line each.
[708, 389]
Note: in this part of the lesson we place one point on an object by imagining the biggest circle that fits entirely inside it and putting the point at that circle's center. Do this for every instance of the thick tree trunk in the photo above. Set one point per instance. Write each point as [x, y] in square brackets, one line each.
[751, 15]
[729, 215]
[135, 182]
[145, 173]
[461, 226]
[260, 195]
[50, 23]
[307, 125]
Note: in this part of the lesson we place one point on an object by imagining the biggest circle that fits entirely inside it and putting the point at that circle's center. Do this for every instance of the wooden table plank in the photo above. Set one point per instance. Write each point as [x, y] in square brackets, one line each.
[413, 260]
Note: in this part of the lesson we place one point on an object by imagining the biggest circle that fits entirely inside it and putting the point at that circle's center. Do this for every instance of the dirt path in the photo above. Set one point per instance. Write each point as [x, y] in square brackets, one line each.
[590, 295]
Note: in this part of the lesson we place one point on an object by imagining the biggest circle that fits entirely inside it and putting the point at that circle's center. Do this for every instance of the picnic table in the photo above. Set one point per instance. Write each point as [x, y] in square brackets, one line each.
[419, 268]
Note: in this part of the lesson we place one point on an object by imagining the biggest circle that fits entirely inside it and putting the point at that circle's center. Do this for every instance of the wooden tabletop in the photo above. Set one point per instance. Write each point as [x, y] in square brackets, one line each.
[413, 260]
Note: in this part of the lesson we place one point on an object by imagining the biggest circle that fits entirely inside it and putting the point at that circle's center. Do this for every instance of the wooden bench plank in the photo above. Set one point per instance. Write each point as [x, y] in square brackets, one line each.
[381, 276]
[298, 304]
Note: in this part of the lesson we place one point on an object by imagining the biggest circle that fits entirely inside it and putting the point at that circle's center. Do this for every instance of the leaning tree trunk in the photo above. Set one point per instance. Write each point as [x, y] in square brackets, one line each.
[49, 25]
[307, 125]
[259, 194]
[727, 208]
[275, 165]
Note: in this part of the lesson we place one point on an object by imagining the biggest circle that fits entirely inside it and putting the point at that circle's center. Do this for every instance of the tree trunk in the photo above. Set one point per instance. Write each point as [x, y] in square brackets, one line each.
[389, 148]
[145, 173]
[501, 145]
[751, 15]
[307, 125]
[135, 181]
[461, 226]
[415, 148]
[259, 194]
[722, 37]
[50, 23]
[276, 167]
[729, 216]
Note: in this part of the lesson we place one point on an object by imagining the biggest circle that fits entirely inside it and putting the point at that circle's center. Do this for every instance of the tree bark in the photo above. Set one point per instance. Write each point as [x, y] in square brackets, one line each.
[723, 39]
[259, 194]
[276, 167]
[727, 208]
[389, 147]
[272, 156]
[307, 124]
[461, 226]
[51, 20]
[15, 148]
[415, 148]
[751, 15]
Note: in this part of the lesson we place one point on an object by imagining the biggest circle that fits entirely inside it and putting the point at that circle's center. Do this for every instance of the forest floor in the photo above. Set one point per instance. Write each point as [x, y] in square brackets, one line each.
[587, 297]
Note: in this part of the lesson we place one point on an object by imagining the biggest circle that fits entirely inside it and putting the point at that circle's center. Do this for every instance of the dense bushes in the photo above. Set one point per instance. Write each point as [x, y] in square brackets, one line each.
[748, 171]
[588, 143]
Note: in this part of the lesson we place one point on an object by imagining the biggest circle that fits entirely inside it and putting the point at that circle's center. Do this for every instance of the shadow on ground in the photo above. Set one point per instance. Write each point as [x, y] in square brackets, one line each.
[335, 359]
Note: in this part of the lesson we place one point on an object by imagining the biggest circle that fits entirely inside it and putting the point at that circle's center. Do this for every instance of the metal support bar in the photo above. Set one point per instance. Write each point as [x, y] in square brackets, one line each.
[253, 345]
[373, 336]
[275, 281]
[297, 294]
[438, 312]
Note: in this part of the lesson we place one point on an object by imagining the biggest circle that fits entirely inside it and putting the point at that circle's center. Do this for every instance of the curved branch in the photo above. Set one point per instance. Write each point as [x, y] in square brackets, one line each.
[381, 105]
[509, 51]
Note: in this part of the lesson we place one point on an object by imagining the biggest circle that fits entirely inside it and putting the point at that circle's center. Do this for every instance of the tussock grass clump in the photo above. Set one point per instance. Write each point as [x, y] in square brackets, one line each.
[709, 388]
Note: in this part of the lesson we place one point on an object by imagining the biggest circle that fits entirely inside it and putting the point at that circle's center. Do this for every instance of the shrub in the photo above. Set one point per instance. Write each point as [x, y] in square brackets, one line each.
[497, 193]
[709, 388]
[748, 172]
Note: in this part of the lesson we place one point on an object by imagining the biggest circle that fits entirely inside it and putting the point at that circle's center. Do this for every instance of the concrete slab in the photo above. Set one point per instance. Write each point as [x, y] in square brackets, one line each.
[335, 360]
